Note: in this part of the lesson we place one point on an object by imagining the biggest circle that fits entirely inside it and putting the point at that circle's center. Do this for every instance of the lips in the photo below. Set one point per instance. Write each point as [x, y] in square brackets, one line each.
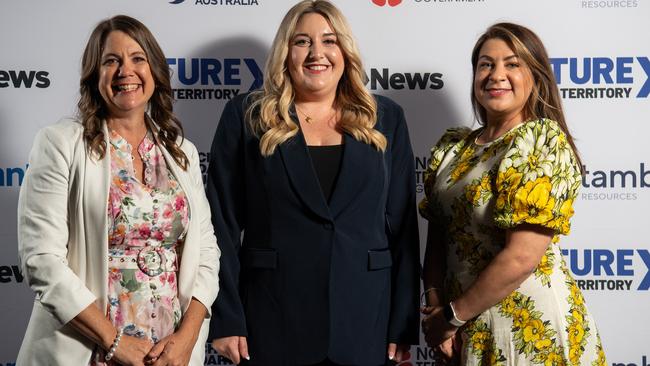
[125, 88]
[494, 92]
[316, 68]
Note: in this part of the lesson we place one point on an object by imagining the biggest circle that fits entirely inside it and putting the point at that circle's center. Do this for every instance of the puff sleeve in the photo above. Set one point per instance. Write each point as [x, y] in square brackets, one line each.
[538, 179]
[450, 142]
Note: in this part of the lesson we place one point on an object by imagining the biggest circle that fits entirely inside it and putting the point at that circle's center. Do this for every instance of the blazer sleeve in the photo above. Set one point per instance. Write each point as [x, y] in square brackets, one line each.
[43, 227]
[226, 194]
[206, 285]
[401, 216]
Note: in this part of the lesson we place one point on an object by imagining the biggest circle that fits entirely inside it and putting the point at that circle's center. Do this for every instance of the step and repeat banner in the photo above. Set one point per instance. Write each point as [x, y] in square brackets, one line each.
[416, 52]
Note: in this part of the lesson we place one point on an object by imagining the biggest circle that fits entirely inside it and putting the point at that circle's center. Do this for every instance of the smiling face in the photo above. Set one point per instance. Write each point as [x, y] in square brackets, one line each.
[502, 82]
[125, 80]
[315, 62]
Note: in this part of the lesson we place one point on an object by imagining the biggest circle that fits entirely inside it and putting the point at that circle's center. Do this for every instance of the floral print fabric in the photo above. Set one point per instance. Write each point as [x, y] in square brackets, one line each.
[472, 194]
[147, 223]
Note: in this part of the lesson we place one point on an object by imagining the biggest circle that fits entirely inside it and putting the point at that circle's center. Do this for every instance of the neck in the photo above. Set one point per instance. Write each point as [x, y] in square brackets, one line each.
[496, 126]
[131, 128]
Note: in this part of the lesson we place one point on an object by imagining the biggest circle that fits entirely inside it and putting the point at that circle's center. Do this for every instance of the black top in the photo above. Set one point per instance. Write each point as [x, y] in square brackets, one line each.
[327, 163]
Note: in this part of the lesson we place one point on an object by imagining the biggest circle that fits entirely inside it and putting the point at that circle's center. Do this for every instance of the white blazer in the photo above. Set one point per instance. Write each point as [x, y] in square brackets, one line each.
[63, 243]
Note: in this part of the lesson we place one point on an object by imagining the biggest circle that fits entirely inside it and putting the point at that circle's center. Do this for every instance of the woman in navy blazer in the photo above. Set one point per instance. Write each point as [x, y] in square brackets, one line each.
[319, 175]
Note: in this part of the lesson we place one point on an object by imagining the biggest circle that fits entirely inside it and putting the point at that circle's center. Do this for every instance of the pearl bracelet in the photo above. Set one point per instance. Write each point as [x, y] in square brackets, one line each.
[116, 342]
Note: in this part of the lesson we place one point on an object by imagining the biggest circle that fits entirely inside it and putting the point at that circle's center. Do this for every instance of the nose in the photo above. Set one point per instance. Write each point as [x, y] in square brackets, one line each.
[498, 72]
[316, 50]
[126, 68]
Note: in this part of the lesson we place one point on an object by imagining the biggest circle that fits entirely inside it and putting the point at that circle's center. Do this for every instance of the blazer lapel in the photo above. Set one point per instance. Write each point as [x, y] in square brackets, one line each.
[97, 173]
[356, 171]
[302, 175]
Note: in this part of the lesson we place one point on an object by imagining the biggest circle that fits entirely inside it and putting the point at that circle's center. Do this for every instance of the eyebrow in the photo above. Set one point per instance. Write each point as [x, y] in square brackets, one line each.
[130, 54]
[490, 58]
[306, 35]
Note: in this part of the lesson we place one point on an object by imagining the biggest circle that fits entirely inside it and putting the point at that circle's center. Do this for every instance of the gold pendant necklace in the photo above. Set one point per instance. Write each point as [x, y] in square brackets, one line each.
[308, 119]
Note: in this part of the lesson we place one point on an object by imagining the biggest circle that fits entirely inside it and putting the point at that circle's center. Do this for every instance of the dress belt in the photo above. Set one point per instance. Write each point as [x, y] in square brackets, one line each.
[151, 260]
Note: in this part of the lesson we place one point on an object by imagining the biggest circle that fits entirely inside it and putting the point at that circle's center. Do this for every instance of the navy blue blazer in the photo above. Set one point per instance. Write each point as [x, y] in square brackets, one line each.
[311, 280]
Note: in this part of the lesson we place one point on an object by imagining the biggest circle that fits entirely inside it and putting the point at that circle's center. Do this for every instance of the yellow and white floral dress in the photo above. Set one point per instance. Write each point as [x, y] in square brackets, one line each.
[474, 193]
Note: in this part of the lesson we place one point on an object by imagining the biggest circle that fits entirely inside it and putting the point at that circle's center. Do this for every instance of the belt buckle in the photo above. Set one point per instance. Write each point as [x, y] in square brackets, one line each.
[151, 260]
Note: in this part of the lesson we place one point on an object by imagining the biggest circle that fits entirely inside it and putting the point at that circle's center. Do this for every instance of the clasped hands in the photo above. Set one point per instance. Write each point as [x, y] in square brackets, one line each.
[173, 350]
[439, 334]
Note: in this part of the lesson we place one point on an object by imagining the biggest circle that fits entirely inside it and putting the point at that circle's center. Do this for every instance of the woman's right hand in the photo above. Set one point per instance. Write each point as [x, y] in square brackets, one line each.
[234, 348]
[132, 350]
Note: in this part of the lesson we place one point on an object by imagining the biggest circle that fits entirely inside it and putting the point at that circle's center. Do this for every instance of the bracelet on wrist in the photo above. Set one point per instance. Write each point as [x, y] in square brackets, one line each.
[450, 315]
[116, 342]
[423, 296]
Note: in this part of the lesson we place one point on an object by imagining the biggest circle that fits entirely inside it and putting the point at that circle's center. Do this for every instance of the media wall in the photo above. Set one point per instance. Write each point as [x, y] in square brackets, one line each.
[416, 52]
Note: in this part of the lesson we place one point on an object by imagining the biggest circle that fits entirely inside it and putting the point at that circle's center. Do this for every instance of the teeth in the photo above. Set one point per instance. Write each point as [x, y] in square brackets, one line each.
[317, 67]
[126, 87]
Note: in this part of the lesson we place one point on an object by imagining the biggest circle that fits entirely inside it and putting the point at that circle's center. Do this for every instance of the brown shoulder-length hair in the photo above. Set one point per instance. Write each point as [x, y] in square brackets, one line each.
[92, 108]
[544, 100]
[268, 114]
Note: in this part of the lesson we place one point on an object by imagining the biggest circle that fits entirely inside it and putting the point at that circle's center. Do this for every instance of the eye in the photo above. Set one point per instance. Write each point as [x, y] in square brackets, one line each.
[110, 61]
[485, 65]
[512, 65]
[330, 41]
[139, 59]
[302, 42]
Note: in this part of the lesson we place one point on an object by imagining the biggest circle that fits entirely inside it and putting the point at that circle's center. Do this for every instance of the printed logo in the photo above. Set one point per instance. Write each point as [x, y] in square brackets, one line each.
[211, 78]
[602, 77]
[11, 274]
[600, 4]
[421, 164]
[213, 358]
[218, 2]
[12, 176]
[619, 185]
[629, 268]
[386, 2]
[384, 79]
[24, 79]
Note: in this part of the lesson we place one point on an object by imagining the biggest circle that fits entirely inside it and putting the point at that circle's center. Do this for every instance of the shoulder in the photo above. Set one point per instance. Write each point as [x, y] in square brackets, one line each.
[188, 147]
[66, 127]
[386, 104]
[390, 115]
[540, 127]
[67, 132]
[452, 136]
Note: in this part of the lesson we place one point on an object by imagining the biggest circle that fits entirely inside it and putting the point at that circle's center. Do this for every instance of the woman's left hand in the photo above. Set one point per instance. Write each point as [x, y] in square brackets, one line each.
[435, 327]
[173, 350]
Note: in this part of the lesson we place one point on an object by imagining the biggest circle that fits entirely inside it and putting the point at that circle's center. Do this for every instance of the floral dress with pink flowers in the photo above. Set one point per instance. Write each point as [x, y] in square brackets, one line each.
[147, 223]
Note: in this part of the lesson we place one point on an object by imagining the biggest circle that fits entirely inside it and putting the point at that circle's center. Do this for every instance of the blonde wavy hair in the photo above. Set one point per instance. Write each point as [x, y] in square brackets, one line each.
[268, 113]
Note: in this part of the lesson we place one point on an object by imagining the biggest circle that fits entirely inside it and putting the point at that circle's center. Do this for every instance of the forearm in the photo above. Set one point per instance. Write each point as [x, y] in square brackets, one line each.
[94, 325]
[499, 279]
[193, 319]
[434, 268]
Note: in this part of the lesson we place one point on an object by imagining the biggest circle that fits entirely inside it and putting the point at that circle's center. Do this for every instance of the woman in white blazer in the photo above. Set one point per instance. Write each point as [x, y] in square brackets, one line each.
[69, 217]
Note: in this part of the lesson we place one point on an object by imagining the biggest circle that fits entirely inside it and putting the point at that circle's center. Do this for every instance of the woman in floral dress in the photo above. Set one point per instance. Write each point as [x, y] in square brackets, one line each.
[497, 198]
[114, 227]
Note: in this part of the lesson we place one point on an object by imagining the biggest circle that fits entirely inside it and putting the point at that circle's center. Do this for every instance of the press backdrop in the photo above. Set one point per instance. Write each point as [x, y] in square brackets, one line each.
[416, 52]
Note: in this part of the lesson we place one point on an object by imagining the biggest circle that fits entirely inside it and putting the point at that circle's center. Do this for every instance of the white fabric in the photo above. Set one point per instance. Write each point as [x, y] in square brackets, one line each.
[63, 236]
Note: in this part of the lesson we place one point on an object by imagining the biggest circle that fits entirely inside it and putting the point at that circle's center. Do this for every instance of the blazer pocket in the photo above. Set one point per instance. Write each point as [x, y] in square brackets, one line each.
[379, 259]
[262, 258]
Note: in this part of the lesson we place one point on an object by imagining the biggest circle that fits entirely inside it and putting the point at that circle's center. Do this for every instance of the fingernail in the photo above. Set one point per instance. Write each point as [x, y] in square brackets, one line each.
[248, 358]
[390, 357]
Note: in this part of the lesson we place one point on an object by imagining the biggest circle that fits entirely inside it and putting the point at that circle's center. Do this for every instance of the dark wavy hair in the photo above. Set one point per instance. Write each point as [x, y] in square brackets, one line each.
[92, 108]
[544, 101]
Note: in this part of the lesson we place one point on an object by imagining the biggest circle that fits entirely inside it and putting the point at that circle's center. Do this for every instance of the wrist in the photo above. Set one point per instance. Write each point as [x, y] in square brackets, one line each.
[114, 345]
[452, 316]
[108, 339]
